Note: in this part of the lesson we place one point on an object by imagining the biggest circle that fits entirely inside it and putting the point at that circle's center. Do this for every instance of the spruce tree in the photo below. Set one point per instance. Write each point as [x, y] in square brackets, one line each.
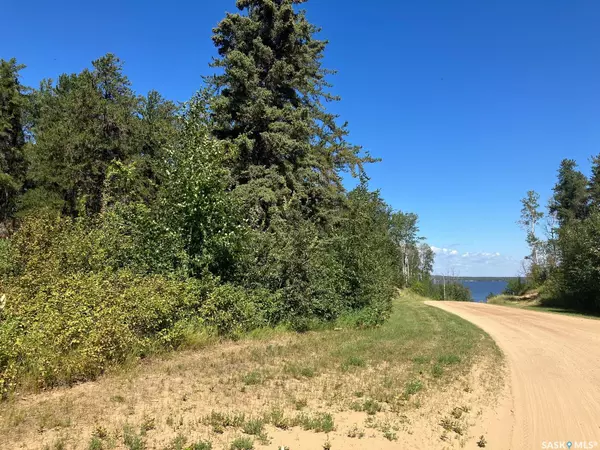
[570, 199]
[13, 103]
[269, 103]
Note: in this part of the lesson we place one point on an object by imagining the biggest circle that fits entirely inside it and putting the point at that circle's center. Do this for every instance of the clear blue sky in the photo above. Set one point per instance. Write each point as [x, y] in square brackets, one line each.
[469, 103]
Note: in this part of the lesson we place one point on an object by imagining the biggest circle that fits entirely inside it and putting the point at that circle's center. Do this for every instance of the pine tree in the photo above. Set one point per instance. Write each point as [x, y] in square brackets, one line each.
[269, 104]
[13, 103]
[83, 123]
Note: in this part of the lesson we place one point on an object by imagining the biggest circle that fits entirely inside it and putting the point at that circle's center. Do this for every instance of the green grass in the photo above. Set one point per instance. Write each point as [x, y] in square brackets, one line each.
[509, 300]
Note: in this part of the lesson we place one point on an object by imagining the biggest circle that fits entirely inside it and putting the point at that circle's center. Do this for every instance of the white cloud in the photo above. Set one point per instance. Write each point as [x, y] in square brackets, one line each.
[480, 263]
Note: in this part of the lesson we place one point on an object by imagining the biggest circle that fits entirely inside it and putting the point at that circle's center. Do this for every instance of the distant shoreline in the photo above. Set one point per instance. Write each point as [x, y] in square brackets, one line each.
[441, 277]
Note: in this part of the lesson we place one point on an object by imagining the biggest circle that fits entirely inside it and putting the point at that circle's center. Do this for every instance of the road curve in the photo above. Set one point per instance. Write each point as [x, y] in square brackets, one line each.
[554, 364]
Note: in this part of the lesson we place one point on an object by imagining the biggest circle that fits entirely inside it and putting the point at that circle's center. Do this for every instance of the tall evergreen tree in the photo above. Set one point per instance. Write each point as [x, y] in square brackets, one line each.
[570, 199]
[13, 103]
[83, 123]
[269, 103]
[594, 183]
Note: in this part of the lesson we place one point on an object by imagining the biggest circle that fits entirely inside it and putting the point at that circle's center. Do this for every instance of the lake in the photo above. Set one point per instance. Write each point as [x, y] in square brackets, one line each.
[481, 289]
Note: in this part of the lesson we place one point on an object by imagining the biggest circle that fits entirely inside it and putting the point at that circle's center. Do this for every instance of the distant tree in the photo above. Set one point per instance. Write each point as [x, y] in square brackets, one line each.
[570, 200]
[13, 104]
[530, 217]
[404, 230]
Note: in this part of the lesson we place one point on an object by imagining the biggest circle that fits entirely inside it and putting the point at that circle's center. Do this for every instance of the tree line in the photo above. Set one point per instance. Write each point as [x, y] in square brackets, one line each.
[565, 263]
[131, 223]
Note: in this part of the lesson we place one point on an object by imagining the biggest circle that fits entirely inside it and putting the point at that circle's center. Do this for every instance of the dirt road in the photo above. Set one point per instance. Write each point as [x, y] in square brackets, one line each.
[553, 397]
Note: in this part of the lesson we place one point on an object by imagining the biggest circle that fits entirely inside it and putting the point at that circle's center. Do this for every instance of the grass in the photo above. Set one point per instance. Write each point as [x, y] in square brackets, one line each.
[273, 377]
[535, 305]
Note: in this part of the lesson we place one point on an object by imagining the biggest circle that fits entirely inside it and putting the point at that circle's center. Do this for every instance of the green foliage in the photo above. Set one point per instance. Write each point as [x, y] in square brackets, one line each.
[570, 200]
[442, 290]
[517, 286]
[13, 109]
[136, 226]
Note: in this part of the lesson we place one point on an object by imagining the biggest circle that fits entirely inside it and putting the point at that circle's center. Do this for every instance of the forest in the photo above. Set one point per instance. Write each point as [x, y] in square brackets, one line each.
[131, 224]
[564, 264]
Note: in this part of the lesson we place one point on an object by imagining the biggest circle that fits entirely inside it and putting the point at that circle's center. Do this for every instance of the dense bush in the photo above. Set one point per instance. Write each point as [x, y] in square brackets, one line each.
[451, 290]
[517, 286]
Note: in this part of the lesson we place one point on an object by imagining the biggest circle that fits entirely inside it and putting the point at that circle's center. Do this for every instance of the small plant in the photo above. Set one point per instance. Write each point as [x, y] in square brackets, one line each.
[95, 443]
[481, 442]
[457, 413]
[252, 378]
[355, 432]
[200, 445]
[452, 425]
[177, 443]
[412, 387]
[437, 371]
[390, 435]
[300, 403]
[132, 440]
[148, 423]
[320, 423]
[277, 418]
[242, 443]
[359, 394]
[448, 359]
[300, 371]
[254, 427]
[371, 407]
[327, 445]
[353, 361]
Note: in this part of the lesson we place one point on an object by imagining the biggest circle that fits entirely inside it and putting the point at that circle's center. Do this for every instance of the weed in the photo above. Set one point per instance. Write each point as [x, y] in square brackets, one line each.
[277, 418]
[327, 445]
[148, 423]
[481, 442]
[300, 403]
[95, 443]
[448, 359]
[421, 359]
[353, 361]
[253, 378]
[452, 425]
[100, 432]
[359, 394]
[371, 407]
[221, 421]
[132, 440]
[355, 432]
[200, 445]
[457, 413]
[390, 435]
[177, 443]
[117, 399]
[298, 371]
[242, 443]
[412, 387]
[320, 423]
[437, 370]
[254, 427]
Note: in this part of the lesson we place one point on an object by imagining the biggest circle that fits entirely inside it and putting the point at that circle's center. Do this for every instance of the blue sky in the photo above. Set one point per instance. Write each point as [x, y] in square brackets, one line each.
[469, 103]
